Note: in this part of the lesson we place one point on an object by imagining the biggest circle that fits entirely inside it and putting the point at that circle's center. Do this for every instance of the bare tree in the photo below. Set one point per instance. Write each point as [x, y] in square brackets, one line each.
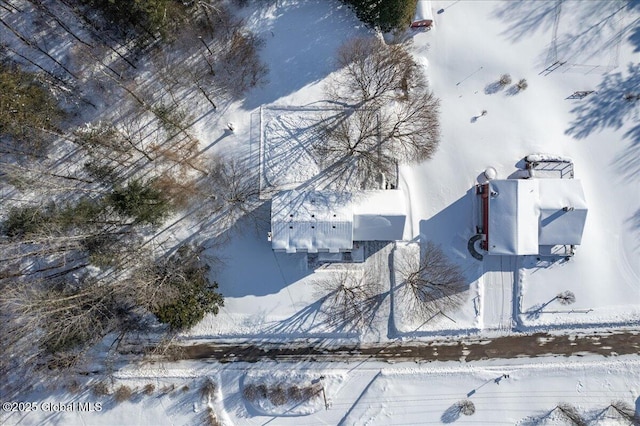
[451, 414]
[73, 273]
[240, 68]
[371, 71]
[571, 414]
[51, 318]
[361, 144]
[431, 284]
[522, 84]
[350, 298]
[412, 130]
[230, 192]
[505, 80]
[626, 411]
[392, 116]
[351, 150]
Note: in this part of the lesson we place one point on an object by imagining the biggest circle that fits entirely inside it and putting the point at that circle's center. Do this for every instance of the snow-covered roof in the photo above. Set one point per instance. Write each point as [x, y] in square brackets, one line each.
[314, 221]
[526, 214]
[533, 158]
[379, 216]
[563, 211]
[423, 12]
[513, 217]
[311, 221]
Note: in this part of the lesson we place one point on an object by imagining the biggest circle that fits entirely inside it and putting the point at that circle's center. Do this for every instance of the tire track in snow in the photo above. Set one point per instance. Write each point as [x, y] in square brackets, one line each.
[497, 292]
[607, 344]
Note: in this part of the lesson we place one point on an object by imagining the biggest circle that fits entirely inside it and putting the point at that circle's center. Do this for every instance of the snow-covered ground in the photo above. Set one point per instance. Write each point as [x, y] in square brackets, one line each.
[472, 44]
[360, 393]
[271, 295]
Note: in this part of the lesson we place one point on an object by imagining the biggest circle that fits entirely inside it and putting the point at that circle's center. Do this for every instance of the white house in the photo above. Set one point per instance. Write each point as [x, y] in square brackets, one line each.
[519, 216]
[329, 221]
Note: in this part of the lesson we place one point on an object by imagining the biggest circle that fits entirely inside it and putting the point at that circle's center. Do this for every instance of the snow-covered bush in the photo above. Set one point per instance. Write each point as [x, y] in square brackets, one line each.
[123, 393]
[522, 85]
[100, 389]
[452, 414]
[467, 407]
[566, 297]
[505, 80]
[149, 388]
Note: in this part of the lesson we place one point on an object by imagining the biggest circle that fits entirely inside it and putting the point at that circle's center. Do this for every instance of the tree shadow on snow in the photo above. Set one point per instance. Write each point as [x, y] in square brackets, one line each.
[601, 28]
[634, 36]
[526, 18]
[451, 228]
[493, 88]
[613, 106]
[323, 318]
[299, 50]
[451, 414]
[633, 224]
[537, 310]
[303, 321]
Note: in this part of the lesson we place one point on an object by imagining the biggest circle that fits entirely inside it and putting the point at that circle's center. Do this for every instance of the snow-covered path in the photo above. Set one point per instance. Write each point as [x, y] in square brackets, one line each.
[497, 292]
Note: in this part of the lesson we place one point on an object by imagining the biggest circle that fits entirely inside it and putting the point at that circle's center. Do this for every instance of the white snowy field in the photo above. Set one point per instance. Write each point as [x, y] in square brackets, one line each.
[270, 295]
[359, 393]
[472, 44]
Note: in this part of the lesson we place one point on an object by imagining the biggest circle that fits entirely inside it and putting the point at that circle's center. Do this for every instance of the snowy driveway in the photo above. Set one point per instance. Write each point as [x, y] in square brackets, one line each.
[496, 292]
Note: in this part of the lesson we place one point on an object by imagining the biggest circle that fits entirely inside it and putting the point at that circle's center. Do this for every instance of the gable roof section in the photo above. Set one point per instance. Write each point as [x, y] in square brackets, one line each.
[513, 217]
[527, 213]
[311, 221]
[557, 225]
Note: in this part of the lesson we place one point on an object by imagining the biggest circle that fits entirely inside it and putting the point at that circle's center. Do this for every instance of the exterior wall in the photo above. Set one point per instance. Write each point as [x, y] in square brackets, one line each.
[425, 23]
[484, 196]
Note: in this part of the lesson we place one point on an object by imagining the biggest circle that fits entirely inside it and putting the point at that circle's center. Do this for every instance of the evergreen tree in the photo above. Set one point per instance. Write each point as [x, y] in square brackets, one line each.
[27, 108]
[386, 15]
[195, 295]
[141, 201]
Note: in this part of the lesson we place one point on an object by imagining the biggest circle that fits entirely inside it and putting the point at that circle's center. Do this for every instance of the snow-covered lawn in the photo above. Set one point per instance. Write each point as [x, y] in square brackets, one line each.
[472, 45]
[359, 393]
[287, 141]
[271, 296]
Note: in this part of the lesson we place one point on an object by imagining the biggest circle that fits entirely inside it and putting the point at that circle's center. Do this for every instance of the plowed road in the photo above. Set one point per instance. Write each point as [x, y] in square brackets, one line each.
[541, 344]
